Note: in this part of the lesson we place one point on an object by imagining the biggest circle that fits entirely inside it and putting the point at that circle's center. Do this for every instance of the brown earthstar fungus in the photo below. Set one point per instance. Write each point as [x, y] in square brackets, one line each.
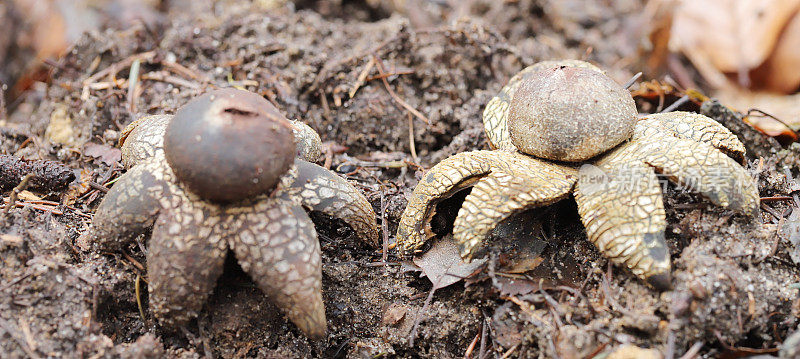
[563, 127]
[223, 174]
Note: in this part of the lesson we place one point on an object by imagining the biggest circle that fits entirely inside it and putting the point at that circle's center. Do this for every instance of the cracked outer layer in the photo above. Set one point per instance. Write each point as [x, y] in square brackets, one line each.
[271, 236]
[321, 190]
[144, 138]
[618, 193]
[621, 208]
[504, 183]
[495, 115]
[309, 145]
[517, 182]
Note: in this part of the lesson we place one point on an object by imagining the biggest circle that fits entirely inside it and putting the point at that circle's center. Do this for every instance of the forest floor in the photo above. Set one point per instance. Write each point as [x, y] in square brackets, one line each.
[733, 275]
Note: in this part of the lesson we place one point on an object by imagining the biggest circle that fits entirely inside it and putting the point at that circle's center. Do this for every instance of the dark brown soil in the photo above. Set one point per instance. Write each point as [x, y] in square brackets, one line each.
[733, 275]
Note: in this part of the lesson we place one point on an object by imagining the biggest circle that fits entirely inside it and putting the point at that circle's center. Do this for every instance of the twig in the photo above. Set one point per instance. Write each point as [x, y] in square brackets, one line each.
[412, 146]
[362, 77]
[113, 69]
[397, 73]
[510, 351]
[14, 281]
[384, 227]
[138, 290]
[22, 344]
[164, 77]
[633, 79]
[12, 198]
[396, 98]
[98, 187]
[692, 352]
[2, 104]
[764, 114]
[684, 99]
[774, 246]
[776, 198]
[484, 333]
[35, 206]
[742, 349]
[323, 73]
[133, 83]
[472, 344]
[418, 317]
[184, 71]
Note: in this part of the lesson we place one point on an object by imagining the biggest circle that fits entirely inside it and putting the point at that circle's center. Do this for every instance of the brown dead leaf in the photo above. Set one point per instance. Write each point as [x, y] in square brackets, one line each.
[732, 34]
[28, 196]
[443, 265]
[784, 107]
[79, 187]
[106, 154]
[781, 70]
[394, 314]
[516, 286]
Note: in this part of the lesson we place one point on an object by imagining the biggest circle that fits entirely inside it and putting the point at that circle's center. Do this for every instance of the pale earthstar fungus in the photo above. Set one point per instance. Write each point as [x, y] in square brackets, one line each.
[564, 127]
[220, 175]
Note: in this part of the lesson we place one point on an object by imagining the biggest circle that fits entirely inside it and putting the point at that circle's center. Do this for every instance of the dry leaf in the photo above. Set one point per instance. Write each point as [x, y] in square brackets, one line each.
[786, 108]
[733, 35]
[781, 71]
[443, 265]
[394, 314]
[28, 196]
[516, 286]
[106, 154]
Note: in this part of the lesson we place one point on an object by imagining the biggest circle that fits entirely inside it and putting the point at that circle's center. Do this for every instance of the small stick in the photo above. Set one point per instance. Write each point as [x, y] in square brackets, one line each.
[396, 98]
[472, 344]
[133, 83]
[2, 104]
[164, 77]
[184, 71]
[113, 69]
[22, 344]
[776, 198]
[633, 79]
[362, 77]
[484, 333]
[138, 290]
[692, 352]
[409, 72]
[510, 351]
[384, 227]
[98, 186]
[12, 198]
[412, 146]
[418, 317]
[676, 104]
[764, 114]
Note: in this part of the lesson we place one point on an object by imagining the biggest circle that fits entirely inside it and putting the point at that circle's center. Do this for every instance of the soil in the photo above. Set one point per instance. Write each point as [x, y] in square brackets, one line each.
[733, 292]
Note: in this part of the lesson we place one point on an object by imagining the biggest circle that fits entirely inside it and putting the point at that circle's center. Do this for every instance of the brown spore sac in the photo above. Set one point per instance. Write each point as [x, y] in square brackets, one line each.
[228, 145]
[570, 114]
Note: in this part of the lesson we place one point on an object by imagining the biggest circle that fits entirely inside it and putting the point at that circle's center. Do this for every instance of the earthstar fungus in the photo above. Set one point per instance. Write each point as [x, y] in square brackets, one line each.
[217, 176]
[562, 127]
